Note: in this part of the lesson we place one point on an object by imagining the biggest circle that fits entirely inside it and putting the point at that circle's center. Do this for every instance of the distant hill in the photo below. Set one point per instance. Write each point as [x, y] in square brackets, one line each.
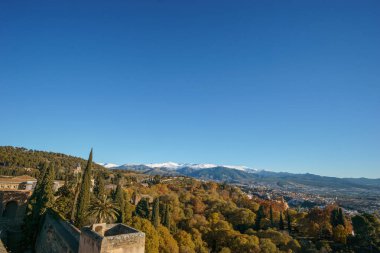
[19, 158]
[219, 173]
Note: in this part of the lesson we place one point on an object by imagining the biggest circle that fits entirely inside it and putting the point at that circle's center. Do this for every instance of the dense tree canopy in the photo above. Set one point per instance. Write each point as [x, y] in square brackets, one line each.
[180, 214]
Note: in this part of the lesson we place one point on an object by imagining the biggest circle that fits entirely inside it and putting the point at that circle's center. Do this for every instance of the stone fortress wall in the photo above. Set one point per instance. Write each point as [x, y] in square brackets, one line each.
[12, 210]
[115, 238]
[59, 236]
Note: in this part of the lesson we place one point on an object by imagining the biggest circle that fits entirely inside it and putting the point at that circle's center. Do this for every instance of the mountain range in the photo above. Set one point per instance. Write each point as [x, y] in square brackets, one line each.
[172, 166]
[246, 175]
[353, 193]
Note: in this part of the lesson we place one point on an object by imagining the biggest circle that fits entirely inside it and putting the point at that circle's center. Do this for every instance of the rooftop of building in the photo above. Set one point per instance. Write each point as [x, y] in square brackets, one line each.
[108, 231]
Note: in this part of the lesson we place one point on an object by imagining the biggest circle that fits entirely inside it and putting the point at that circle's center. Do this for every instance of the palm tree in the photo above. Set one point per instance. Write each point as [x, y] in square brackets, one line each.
[103, 210]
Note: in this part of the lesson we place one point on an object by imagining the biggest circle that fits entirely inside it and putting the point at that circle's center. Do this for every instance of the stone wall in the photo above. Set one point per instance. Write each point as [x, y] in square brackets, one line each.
[19, 197]
[12, 210]
[115, 238]
[57, 236]
[127, 243]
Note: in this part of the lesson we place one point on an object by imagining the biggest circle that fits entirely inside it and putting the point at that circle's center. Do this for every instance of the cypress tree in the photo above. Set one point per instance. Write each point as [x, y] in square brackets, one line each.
[36, 195]
[340, 217]
[99, 188]
[78, 183]
[47, 191]
[334, 218]
[142, 208]
[281, 223]
[167, 217]
[156, 212]
[119, 199]
[37, 188]
[84, 194]
[127, 208]
[259, 216]
[32, 217]
[40, 178]
[162, 212]
[289, 221]
[271, 216]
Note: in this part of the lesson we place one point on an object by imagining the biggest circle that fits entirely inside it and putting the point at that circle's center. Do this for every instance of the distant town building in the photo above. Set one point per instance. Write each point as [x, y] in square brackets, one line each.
[136, 197]
[77, 170]
[58, 184]
[110, 186]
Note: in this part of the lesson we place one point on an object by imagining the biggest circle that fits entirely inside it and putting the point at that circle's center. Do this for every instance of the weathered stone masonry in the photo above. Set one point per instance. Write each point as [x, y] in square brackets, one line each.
[58, 236]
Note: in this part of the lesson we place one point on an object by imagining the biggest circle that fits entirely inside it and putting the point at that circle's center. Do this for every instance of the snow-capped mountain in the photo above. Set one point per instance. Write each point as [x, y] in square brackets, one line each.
[173, 166]
[108, 165]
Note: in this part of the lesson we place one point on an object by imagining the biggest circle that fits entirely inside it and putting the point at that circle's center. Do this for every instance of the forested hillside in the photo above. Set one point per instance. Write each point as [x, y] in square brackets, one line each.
[186, 215]
[16, 161]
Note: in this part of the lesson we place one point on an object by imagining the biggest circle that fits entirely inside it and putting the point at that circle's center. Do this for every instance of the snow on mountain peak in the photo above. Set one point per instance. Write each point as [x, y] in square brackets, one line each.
[196, 166]
[237, 167]
[168, 165]
[177, 166]
[108, 165]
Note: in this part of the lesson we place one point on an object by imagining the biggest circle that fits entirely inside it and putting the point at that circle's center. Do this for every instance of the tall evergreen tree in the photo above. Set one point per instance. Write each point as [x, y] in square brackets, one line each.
[47, 191]
[36, 195]
[271, 216]
[127, 208]
[41, 176]
[142, 208]
[99, 187]
[259, 216]
[84, 194]
[32, 216]
[156, 212]
[289, 221]
[162, 212]
[281, 223]
[119, 199]
[78, 182]
[167, 218]
[334, 218]
[340, 217]
[337, 217]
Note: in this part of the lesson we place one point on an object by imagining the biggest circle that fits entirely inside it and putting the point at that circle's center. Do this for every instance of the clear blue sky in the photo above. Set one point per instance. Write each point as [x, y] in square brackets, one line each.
[277, 85]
